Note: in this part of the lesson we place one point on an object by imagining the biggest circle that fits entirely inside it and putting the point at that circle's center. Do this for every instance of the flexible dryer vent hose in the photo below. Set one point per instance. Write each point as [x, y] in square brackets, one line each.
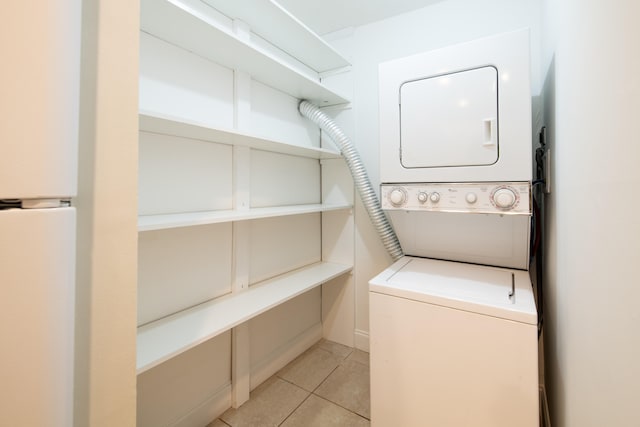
[359, 174]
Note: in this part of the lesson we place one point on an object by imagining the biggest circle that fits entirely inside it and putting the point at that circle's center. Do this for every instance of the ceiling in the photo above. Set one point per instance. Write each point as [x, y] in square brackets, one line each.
[325, 16]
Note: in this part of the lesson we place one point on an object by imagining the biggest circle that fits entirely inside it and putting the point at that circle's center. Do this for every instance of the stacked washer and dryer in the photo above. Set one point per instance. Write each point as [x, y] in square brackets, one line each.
[453, 323]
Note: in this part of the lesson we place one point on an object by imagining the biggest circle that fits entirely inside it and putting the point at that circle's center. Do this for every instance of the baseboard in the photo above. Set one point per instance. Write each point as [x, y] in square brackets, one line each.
[362, 340]
[545, 418]
[284, 354]
[208, 410]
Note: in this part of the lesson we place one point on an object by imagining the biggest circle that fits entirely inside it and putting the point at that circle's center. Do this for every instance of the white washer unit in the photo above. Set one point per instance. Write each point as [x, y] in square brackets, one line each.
[452, 344]
[453, 325]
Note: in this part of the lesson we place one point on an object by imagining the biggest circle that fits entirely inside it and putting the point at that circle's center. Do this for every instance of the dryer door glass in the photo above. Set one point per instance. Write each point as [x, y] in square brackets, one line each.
[450, 120]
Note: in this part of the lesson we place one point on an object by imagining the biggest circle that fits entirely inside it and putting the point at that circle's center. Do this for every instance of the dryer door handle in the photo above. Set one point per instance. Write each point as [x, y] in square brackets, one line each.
[512, 294]
[490, 132]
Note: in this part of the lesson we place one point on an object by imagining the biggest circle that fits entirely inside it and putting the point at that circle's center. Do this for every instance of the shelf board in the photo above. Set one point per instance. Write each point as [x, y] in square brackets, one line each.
[188, 219]
[165, 338]
[166, 125]
[275, 24]
[185, 24]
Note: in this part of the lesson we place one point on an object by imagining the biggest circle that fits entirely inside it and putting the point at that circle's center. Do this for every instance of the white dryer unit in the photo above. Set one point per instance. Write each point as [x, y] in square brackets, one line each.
[458, 114]
[455, 151]
[453, 344]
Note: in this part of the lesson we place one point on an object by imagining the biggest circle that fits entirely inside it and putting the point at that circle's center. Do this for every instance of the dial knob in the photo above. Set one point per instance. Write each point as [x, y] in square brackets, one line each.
[397, 196]
[422, 197]
[471, 198]
[435, 197]
[504, 198]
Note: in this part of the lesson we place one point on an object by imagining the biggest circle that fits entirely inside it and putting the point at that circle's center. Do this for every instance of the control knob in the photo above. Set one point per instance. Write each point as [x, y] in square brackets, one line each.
[471, 198]
[397, 197]
[504, 198]
[422, 197]
[435, 197]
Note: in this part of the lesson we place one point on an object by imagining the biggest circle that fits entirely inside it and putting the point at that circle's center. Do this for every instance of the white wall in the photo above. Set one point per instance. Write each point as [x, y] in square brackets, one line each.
[592, 104]
[105, 375]
[435, 26]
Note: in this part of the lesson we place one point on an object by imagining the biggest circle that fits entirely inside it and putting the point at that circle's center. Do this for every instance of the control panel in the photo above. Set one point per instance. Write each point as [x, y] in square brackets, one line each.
[513, 198]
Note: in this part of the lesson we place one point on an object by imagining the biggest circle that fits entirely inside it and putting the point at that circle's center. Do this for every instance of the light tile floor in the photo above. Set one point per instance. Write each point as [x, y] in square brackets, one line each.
[326, 386]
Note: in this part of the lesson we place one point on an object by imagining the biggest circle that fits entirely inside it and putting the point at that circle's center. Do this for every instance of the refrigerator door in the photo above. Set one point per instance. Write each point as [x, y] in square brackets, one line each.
[40, 81]
[37, 290]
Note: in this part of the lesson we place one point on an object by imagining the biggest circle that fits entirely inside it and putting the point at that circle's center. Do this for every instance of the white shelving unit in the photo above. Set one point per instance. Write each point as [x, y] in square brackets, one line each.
[274, 23]
[160, 222]
[249, 59]
[162, 124]
[192, 25]
[165, 338]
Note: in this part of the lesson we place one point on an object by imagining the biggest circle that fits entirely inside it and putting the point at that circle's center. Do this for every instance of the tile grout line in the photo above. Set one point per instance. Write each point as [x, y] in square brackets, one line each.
[311, 392]
[327, 377]
[295, 409]
[359, 363]
[331, 401]
[321, 397]
[340, 406]
[341, 362]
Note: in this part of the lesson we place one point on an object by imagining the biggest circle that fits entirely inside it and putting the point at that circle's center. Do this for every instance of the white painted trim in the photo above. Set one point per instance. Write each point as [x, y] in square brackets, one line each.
[280, 357]
[208, 410]
[335, 72]
[240, 364]
[106, 266]
[362, 340]
[338, 316]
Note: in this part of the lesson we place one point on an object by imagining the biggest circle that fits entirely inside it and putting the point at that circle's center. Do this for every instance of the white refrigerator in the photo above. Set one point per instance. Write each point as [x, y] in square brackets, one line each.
[39, 106]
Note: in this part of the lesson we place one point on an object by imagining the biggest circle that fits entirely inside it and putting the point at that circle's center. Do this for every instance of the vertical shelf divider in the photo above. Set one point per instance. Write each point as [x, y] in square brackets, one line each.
[240, 335]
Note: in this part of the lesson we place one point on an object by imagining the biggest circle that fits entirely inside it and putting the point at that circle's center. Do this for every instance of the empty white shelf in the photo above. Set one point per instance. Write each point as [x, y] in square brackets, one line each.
[185, 23]
[274, 23]
[165, 338]
[166, 125]
[188, 219]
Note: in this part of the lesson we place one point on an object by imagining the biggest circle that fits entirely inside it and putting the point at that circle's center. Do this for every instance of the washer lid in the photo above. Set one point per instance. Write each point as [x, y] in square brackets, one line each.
[480, 289]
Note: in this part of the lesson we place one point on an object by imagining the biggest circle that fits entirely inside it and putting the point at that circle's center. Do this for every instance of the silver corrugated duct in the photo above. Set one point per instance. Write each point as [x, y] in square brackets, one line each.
[360, 177]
